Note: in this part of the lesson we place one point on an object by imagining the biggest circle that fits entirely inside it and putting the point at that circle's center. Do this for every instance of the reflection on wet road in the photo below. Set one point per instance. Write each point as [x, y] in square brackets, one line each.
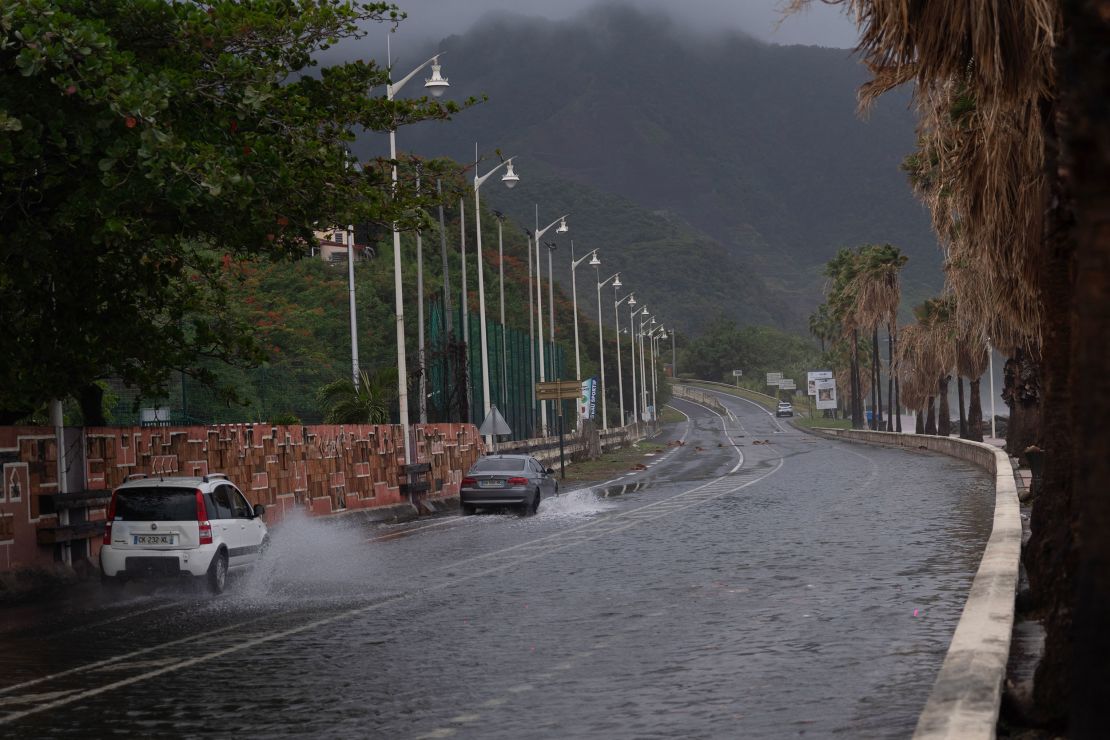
[755, 581]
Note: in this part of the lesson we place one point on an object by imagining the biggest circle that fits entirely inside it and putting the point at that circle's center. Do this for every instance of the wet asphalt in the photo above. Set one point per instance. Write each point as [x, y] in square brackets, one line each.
[759, 582]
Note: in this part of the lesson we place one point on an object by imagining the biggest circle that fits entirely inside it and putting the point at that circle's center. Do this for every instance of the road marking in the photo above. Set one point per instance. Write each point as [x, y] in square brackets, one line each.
[592, 530]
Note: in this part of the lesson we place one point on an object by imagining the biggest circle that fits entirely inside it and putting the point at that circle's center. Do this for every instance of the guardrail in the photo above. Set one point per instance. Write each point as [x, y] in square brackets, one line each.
[693, 394]
[967, 694]
[733, 388]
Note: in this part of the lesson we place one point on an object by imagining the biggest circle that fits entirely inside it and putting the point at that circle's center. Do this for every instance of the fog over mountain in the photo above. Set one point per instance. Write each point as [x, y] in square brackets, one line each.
[717, 171]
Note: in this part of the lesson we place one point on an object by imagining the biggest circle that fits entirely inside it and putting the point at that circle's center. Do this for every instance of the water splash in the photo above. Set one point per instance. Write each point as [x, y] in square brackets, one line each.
[310, 558]
[582, 502]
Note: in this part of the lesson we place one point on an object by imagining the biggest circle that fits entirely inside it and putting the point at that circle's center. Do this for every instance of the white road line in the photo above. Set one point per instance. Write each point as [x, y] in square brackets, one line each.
[250, 643]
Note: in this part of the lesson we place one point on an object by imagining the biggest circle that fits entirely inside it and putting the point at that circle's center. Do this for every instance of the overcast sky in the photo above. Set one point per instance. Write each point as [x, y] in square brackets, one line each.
[821, 25]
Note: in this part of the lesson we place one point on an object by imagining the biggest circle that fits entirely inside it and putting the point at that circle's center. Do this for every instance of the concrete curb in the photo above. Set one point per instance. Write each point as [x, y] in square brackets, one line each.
[967, 694]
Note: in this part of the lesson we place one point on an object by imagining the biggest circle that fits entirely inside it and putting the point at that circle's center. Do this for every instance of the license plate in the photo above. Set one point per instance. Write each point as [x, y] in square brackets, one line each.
[491, 484]
[155, 539]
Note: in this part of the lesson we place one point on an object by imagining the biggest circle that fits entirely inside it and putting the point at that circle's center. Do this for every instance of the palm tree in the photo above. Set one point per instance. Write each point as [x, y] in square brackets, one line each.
[876, 292]
[366, 403]
[1017, 69]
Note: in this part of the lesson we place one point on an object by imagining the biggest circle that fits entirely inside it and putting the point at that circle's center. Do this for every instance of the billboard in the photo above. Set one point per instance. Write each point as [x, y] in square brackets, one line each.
[587, 402]
[811, 380]
[825, 390]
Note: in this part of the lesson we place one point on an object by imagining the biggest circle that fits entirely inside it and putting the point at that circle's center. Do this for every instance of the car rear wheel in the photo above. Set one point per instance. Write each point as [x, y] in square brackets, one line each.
[467, 509]
[217, 573]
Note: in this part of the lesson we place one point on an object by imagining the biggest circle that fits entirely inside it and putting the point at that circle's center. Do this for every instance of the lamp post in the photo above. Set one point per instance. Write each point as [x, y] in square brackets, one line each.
[562, 222]
[631, 298]
[436, 85]
[574, 263]
[551, 247]
[423, 384]
[501, 286]
[510, 179]
[637, 417]
[531, 334]
[643, 372]
[351, 301]
[990, 372]
[653, 336]
[615, 278]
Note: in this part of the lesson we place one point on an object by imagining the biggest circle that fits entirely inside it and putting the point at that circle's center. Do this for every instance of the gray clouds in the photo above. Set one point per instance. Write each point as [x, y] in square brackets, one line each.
[820, 25]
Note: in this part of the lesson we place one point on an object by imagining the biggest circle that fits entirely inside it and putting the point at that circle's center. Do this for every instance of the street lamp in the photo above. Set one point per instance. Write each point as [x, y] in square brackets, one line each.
[510, 179]
[501, 286]
[653, 335]
[637, 417]
[643, 372]
[562, 223]
[574, 298]
[436, 85]
[615, 278]
[631, 298]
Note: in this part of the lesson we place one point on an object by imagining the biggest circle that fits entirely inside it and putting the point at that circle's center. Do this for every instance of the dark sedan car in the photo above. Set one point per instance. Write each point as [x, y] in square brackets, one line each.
[516, 481]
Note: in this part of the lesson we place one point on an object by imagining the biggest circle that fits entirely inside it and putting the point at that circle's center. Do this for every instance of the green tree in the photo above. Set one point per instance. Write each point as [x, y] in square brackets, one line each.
[368, 403]
[143, 144]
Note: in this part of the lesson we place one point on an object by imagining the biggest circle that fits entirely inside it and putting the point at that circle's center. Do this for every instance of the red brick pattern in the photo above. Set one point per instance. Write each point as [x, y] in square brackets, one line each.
[321, 469]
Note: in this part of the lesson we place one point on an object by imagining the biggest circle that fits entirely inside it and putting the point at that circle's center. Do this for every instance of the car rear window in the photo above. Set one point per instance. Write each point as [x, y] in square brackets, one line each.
[489, 464]
[156, 504]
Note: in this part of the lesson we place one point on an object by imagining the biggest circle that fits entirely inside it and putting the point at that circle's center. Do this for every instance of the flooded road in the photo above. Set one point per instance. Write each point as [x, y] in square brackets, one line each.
[800, 586]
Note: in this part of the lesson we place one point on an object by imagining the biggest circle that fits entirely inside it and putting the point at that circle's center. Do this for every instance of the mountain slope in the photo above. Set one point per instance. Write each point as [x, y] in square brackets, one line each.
[754, 151]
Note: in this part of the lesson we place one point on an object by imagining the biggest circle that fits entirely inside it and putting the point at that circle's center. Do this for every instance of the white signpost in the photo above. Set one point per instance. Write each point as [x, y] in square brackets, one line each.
[787, 384]
[773, 378]
[826, 393]
[811, 380]
[737, 374]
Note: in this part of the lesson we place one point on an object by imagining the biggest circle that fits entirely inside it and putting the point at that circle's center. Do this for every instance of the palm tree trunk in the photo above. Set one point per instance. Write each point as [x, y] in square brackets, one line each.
[857, 402]
[974, 413]
[919, 427]
[944, 414]
[1087, 38]
[1022, 393]
[897, 405]
[960, 399]
[890, 378]
[931, 417]
[877, 395]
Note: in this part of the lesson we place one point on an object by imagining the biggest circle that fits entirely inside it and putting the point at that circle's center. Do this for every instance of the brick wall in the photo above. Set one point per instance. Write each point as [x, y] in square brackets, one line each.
[323, 469]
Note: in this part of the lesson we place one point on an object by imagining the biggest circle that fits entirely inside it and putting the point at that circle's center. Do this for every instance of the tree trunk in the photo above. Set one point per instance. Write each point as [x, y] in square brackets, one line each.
[931, 417]
[877, 394]
[857, 402]
[974, 412]
[1021, 390]
[919, 427]
[897, 406]
[944, 423]
[890, 378]
[960, 401]
[1073, 670]
[91, 399]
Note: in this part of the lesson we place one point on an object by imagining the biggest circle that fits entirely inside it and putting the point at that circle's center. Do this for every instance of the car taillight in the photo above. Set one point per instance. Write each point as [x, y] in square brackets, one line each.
[108, 521]
[468, 481]
[518, 481]
[203, 524]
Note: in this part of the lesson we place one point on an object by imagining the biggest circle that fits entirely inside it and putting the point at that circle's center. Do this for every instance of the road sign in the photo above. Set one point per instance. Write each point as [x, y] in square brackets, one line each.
[773, 378]
[812, 377]
[787, 384]
[738, 373]
[558, 389]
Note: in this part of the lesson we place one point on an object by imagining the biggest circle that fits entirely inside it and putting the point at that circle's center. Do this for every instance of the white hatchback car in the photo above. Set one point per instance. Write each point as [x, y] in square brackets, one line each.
[168, 527]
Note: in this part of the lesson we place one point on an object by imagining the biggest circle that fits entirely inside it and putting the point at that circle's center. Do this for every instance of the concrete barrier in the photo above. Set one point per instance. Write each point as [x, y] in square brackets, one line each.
[967, 694]
[697, 396]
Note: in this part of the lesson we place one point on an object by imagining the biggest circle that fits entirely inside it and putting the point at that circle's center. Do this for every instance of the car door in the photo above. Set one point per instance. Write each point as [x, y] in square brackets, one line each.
[251, 529]
[224, 527]
[547, 483]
